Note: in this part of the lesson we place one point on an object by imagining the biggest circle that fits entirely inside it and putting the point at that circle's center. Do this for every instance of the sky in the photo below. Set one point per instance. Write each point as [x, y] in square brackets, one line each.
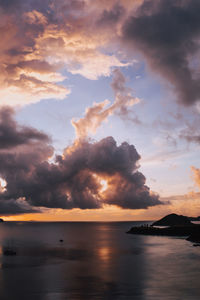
[99, 109]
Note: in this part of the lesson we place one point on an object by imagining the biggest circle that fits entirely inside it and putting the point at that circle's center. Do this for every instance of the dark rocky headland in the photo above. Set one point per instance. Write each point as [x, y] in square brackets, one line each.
[175, 225]
[173, 220]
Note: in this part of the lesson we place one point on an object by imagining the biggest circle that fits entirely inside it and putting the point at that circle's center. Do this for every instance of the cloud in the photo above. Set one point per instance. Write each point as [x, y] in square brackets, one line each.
[196, 175]
[112, 16]
[21, 148]
[190, 133]
[13, 135]
[41, 40]
[88, 175]
[191, 138]
[167, 34]
[22, 77]
[16, 207]
[94, 116]
[99, 112]
[91, 38]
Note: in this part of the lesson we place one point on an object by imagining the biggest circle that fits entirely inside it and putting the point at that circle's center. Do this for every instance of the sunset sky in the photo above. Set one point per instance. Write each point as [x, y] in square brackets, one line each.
[100, 109]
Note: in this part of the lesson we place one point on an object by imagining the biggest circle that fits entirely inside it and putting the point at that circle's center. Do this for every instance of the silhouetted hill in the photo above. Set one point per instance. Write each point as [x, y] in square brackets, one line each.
[172, 220]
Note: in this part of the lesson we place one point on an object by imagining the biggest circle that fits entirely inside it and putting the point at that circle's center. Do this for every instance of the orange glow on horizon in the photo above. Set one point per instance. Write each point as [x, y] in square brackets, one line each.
[190, 206]
[108, 213]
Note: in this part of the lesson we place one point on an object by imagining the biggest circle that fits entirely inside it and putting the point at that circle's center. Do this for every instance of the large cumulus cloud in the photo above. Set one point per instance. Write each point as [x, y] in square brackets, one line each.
[88, 175]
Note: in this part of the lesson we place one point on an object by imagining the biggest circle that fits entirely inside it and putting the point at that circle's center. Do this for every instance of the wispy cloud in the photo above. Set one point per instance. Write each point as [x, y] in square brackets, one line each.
[99, 112]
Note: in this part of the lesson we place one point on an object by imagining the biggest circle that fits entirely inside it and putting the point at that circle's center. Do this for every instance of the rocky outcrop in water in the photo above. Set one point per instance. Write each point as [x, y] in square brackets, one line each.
[169, 231]
[175, 225]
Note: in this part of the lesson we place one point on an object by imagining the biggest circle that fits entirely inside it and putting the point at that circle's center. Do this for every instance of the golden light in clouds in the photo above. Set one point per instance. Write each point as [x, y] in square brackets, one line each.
[3, 184]
[102, 182]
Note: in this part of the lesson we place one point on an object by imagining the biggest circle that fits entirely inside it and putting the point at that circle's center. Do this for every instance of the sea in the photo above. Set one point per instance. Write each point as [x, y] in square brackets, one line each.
[95, 260]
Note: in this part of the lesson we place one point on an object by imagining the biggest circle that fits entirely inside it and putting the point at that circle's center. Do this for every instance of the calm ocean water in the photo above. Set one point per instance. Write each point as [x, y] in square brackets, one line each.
[95, 261]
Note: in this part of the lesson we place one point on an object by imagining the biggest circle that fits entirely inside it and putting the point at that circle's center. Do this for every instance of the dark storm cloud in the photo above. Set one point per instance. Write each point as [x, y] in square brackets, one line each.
[13, 207]
[12, 135]
[74, 180]
[167, 33]
[21, 148]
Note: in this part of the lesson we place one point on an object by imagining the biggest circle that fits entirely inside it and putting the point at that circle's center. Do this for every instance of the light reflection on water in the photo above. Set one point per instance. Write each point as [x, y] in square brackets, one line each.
[95, 261]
